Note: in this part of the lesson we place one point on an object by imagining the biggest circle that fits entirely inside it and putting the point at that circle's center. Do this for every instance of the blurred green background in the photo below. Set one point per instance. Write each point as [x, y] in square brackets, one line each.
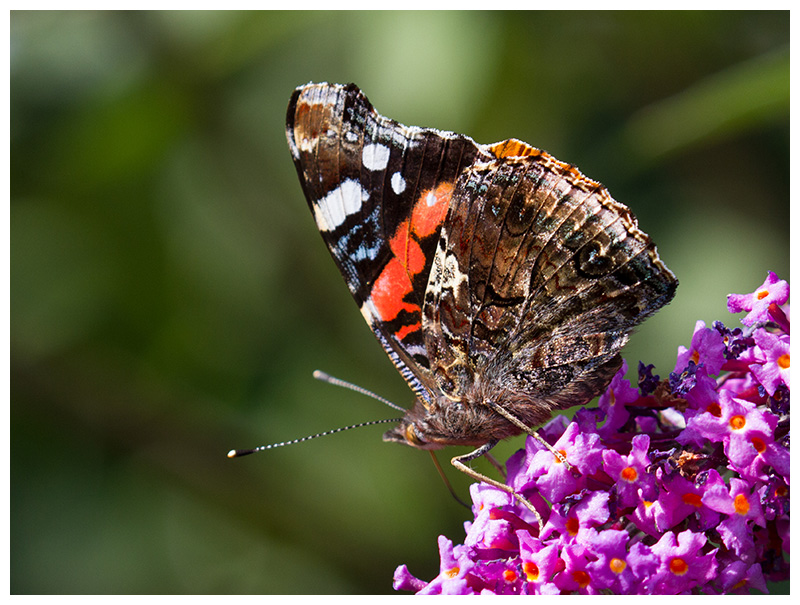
[171, 296]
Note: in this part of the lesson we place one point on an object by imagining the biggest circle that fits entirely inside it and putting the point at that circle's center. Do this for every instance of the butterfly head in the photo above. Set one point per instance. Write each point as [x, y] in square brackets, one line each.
[413, 430]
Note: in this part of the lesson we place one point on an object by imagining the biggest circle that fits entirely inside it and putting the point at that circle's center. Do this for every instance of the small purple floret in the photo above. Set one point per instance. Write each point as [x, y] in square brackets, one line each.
[682, 484]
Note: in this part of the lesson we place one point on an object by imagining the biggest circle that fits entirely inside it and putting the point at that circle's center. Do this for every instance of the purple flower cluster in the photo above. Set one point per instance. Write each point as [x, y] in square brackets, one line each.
[682, 484]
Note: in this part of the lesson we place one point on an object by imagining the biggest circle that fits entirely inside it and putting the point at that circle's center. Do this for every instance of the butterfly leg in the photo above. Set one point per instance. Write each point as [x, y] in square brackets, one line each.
[517, 422]
[459, 463]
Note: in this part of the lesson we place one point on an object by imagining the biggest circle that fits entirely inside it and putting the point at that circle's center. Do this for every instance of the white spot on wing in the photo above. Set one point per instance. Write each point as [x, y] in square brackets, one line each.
[369, 312]
[333, 209]
[307, 144]
[416, 350]
[367, 252]
[292, 144]
[375, 157]
[398, 183]
[452, 278]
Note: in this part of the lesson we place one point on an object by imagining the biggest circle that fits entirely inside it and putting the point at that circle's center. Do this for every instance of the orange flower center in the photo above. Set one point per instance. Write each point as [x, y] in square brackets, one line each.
[563, 453]
[741, 505]
[737, 422]
[781, 491]
[572, 525]
[678, 566]
[783, 361]
[629, 474]
[759, 444]
[714, 409]
[581, 578]
[617, 565]
[692, 500]
[696, 356]
[762, 294]
[509, 575]
[451, 573]
[531, 570]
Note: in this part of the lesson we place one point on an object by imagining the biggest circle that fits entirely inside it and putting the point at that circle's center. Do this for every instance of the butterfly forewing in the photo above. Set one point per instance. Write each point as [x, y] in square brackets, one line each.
[379, 192]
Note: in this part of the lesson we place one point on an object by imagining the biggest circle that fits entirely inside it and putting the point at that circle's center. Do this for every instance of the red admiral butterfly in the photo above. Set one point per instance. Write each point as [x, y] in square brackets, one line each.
[501, 282]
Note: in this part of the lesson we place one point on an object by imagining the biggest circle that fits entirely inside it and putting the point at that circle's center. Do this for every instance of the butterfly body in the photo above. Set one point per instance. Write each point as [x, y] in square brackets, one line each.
[501, 282]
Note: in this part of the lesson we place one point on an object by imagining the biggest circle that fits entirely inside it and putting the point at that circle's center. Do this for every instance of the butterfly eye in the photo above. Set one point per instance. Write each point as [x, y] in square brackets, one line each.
[413, 436]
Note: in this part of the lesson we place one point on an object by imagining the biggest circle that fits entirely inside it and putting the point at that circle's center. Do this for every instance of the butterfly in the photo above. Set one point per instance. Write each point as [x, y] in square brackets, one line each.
[501, 282]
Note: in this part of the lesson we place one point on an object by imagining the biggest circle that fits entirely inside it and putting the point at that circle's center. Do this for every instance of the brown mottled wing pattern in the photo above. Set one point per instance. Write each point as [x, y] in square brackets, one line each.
[539, 278]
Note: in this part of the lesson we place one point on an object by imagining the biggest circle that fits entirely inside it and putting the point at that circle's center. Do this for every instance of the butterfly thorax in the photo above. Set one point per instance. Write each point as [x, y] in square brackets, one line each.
[470, 415]
[466, 421]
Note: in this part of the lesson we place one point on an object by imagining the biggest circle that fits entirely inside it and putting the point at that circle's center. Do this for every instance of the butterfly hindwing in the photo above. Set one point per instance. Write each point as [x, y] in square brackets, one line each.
[538, 278]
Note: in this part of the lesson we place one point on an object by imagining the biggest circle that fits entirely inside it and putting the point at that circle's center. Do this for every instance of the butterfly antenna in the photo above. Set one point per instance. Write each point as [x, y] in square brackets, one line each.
[319, 375]
[261, 448]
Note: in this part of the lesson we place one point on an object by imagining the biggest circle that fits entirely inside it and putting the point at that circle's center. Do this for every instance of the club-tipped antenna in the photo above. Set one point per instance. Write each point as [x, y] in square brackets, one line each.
[261, 448]
[320, 375]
